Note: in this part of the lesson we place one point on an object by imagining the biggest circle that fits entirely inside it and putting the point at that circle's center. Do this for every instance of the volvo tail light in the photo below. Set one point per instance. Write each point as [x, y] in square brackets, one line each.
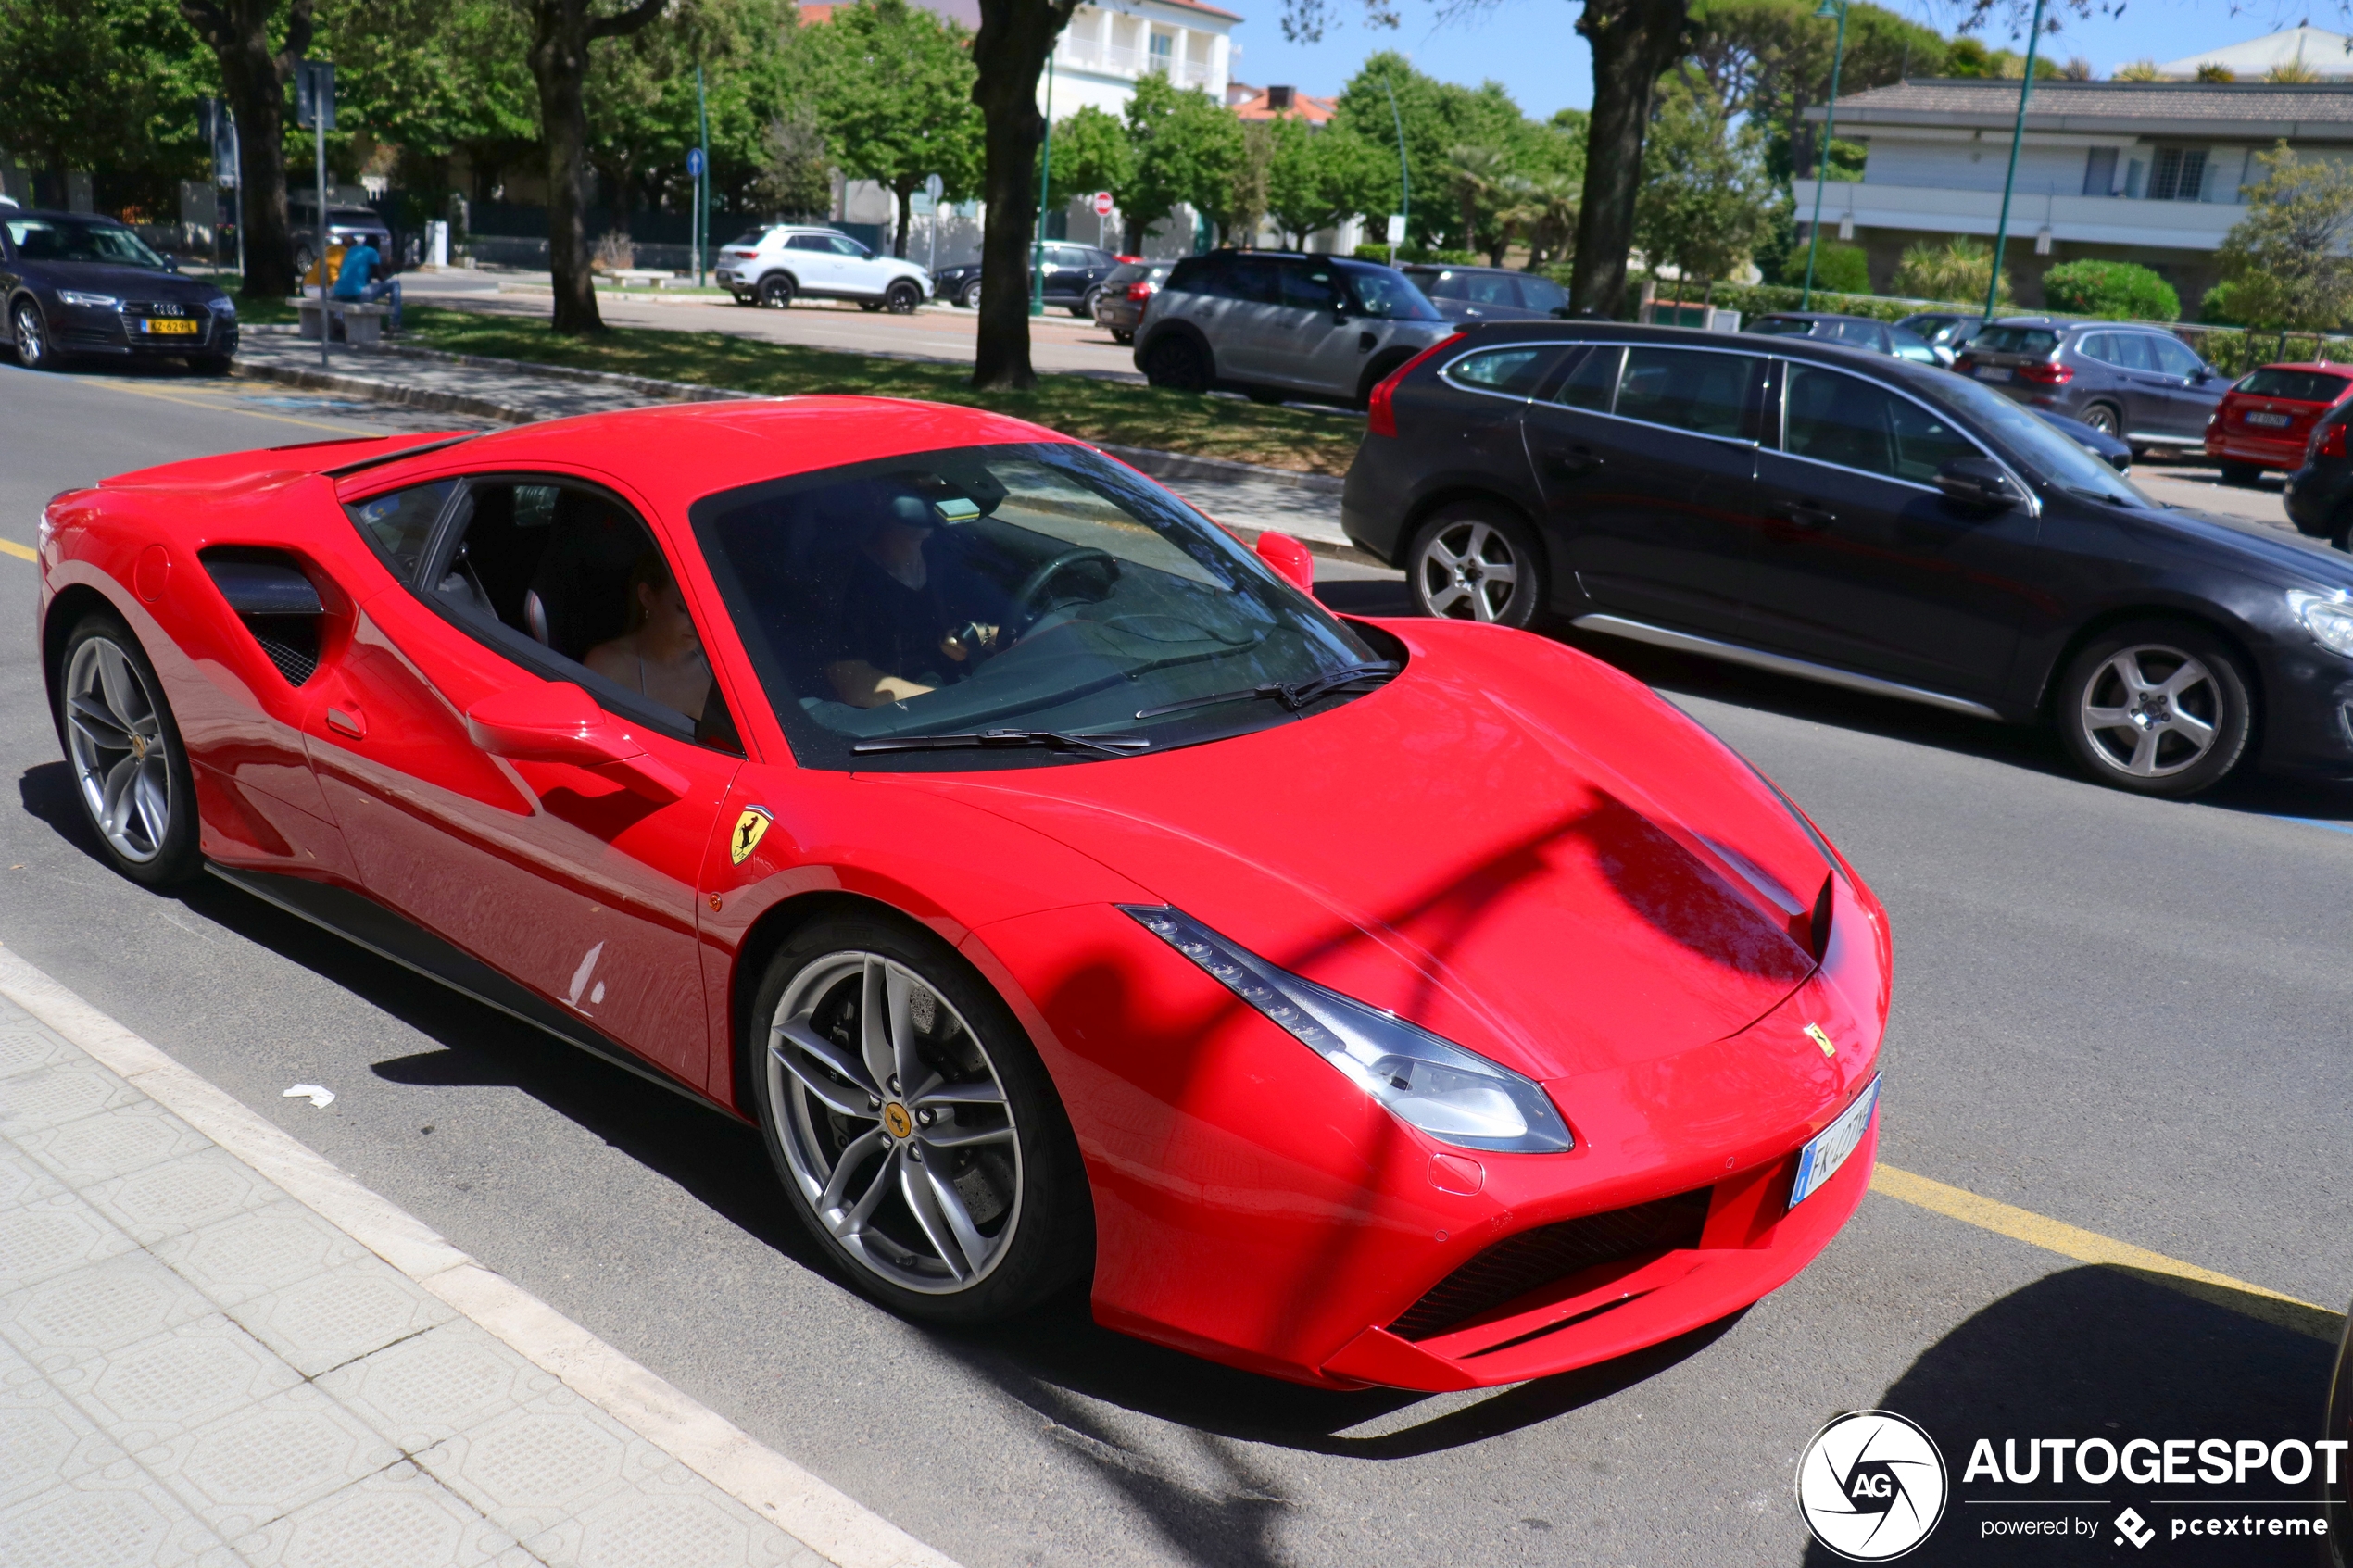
[2046, 372]
[2328, 441]
[1381, 409]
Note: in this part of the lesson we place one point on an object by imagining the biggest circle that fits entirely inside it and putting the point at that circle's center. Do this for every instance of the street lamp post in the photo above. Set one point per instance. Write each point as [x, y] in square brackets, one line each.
[1828, 9]
[1404, 179]
[1045, 184]
[2018, 135]
[702, 179]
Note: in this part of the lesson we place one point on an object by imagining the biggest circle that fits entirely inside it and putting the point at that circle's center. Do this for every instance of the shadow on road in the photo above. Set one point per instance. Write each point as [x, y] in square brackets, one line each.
[2102, 1353]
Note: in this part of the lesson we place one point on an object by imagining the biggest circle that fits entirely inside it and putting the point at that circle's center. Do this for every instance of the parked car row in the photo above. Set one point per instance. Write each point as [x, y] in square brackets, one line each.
[1076, 276]
[76, 284]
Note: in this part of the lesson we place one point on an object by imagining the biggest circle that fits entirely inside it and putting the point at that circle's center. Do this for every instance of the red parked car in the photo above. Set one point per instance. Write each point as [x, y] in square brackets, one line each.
[1061, 890]
[2264, 421]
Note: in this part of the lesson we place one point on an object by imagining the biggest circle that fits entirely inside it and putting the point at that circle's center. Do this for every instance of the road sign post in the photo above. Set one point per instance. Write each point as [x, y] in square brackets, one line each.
[701, 167]
[695, 169]
[933, 187]
[315, 106]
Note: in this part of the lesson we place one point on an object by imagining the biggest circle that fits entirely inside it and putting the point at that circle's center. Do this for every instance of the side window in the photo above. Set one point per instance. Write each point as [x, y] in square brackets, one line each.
[399, 525]
[1514, 372]
[844, 245]
[1835, 418]
[2133, 351]
[2097, 345]
[1310, 288]
[570, 583]
[808, 242]
[1253, 281]
[1862, 335]
[1439, 285]
[1541, 293]
[2175, 357]
[1689, 389]
[1486, 288]
[1591, 384]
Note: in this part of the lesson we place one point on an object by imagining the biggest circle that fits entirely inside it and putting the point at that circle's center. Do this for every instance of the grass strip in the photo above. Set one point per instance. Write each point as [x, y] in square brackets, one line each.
[1089, 407]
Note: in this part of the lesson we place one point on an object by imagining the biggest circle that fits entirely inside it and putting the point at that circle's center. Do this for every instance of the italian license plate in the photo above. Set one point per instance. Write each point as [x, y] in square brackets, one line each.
[2274, 420]
[1992, 372]
[1820, 1160]
[164, 326]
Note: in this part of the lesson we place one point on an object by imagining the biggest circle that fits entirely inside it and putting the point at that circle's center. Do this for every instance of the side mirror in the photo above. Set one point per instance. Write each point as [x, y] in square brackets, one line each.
[559, 722]
[1978, 481]
[1291, 559]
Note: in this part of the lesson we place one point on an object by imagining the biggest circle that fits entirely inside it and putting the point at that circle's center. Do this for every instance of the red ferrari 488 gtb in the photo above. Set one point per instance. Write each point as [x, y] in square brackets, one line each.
[1059, 888]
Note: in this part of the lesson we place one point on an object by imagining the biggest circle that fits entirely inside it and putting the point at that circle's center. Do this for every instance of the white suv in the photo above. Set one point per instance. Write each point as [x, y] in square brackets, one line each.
[776, 266]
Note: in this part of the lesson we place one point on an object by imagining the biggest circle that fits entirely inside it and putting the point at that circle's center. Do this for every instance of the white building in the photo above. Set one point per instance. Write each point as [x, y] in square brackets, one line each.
[2306, 48]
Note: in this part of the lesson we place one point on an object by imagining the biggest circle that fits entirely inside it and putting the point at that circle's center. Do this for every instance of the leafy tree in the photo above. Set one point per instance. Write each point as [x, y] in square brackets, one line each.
[1959, 269]
[257, 46]
[1843, 268]
[1706, 199]
[563, 34]
[1439, 119]
[797, 175]
[1091, 153]
[1187, 151]
[435, 78]
[1008, 54]
[896, 93]
[2285, 261]
[1239, 209]
[105, 86]
[1317, 180]
[2116, 290]
[641, 97]
[1768, 61]
[1542, 211]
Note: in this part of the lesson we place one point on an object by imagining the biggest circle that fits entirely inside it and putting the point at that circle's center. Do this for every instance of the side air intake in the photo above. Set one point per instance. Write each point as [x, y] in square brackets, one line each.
[277, 602]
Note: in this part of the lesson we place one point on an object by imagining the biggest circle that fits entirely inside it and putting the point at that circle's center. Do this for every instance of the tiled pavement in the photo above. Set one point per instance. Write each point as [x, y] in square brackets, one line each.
[197, 1367]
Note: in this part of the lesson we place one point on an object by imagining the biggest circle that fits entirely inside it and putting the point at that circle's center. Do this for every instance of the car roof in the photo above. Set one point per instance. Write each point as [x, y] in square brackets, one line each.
[1454, 267]
[1548, 329]
[1816, 316]
[76, 216]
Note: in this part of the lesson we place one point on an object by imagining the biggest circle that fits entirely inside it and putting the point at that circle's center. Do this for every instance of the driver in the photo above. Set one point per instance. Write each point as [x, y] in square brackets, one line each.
[900, 632]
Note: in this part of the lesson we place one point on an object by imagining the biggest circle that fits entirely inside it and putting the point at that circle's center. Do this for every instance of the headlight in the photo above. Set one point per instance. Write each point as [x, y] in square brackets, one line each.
[1456, 1096]
[224, 305]
[94, 301]
[2328, 618]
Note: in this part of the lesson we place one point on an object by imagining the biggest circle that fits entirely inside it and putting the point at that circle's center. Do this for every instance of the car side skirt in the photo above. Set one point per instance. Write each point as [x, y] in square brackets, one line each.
[1737, 653]
[365, 923]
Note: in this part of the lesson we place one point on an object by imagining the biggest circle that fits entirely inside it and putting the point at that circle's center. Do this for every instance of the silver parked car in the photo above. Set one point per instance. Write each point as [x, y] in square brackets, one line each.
[1279, 324]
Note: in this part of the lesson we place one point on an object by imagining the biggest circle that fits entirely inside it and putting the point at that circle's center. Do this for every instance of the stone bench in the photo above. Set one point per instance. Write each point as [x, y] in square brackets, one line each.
[359, 325]
[637, 277]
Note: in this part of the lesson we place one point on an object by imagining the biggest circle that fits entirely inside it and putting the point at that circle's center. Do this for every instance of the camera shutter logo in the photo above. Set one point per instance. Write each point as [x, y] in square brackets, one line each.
[1871, 1485]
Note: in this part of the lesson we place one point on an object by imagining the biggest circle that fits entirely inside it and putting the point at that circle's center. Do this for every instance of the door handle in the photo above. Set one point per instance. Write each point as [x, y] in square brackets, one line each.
[1575, 463]
[1806, 516]
[351, 721]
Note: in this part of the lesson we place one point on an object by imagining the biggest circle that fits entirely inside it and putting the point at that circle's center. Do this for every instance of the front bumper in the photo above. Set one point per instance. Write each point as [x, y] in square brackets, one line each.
[81, 329]
[2317, 496]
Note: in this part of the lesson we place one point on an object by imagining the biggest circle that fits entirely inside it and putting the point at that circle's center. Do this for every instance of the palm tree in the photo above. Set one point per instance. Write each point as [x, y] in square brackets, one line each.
[1541, 211]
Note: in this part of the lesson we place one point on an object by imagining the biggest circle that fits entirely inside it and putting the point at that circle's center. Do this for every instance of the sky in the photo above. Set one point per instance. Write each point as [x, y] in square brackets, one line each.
[1532, 49]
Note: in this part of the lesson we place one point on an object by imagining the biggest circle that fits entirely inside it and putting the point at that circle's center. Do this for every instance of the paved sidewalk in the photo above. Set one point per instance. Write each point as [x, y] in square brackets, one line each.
[502, 392]
[199, 1367]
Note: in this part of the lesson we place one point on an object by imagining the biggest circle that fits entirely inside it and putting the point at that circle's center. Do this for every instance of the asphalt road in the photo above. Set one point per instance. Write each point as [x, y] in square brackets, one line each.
[2125, 1015]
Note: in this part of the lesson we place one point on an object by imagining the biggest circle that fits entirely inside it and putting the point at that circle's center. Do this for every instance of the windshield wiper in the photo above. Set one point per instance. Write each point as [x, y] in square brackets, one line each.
[1291, 695]
[1113, 745]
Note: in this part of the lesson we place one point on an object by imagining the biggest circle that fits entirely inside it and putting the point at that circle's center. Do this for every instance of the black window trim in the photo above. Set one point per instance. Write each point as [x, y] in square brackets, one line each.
[1612, 413]
[1778, 423]
[528, 653]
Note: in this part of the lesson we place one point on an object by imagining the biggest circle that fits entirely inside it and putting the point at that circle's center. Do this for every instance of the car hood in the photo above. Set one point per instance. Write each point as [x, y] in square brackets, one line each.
[2294, 558]
[130, 282]
[1511, 844]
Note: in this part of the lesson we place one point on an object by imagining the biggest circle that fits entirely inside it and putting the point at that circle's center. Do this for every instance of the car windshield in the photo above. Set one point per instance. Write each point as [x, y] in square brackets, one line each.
[1387, 295]
[2298, 386]
[2046, 454]
[1129, 272]
[2016, 339]
[1034, 588]
[749, 240]
[1783, 326]
[68, 239]
[1542, 293]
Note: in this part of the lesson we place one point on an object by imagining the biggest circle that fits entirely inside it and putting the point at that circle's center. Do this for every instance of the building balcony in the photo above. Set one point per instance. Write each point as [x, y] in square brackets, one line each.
[2116, 220]
[1123, 59]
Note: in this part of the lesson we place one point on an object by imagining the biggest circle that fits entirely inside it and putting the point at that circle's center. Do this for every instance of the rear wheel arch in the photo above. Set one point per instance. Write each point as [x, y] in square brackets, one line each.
[1380, 369]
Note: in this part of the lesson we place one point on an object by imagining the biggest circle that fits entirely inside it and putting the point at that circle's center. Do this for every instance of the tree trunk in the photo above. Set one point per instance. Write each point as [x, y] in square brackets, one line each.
[1632, 41]
[253, 78]
[559, 65]
[1010, 51]
[906, 191]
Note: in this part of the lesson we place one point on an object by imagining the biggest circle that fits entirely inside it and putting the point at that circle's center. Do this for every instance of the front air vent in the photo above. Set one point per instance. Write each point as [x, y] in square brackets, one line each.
[276, 600]
[1534, 1259]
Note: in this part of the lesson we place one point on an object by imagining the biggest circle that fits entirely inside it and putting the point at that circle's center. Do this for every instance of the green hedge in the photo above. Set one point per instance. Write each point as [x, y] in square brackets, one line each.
[1419, 253]
[2118, 291]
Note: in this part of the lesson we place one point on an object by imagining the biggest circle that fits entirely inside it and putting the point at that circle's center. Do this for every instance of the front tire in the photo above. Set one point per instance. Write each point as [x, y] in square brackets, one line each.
[970, 298]
[1085, 308]
[903, 299]
[2161, 708]
[777, 292]
[131, 771]
[1178, 363]
[1120, 334]
[30, 334]
[916, 1133]
[2241, 473]
[209, 364]
[1476, 561]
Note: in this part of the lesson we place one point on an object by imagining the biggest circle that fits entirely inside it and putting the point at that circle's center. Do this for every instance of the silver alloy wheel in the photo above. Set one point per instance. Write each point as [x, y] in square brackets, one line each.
[121, 756]
[1467, 572]
[2152, 710]
[32, 345]
[896, 1125]
[2101, 418]
[971, 294]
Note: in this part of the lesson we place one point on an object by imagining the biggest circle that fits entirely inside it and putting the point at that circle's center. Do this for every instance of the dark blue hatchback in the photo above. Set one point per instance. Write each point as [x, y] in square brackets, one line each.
[74, 284]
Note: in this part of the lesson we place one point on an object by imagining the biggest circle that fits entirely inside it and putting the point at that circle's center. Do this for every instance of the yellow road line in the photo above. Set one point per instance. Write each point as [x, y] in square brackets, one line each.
[222, 408]
[2090, 1247]
[22, 552]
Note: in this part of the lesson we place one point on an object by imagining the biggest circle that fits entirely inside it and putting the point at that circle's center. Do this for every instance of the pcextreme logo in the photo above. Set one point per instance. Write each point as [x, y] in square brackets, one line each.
[1871, 1485]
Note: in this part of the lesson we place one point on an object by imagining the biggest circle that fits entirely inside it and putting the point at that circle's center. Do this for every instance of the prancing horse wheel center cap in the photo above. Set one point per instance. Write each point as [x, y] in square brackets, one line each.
[894, 1117]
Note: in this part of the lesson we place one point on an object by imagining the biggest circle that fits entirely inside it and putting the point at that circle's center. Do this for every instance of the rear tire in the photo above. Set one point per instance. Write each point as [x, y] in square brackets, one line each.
[2102, 417]
[1085, 308]
[1475, 560]
[2162, 708]
[1120, 334]
[983, 1208]
[129, 770]
[777, 292]
[1178, 363]
[2241, 473]
[970, 298]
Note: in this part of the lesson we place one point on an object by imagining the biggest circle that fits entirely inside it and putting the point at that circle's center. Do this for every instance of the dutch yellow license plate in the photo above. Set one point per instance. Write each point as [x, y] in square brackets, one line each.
[165, 327]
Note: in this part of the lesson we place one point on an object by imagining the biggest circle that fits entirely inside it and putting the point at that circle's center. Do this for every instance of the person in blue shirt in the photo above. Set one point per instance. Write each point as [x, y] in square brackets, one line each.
[353, 284]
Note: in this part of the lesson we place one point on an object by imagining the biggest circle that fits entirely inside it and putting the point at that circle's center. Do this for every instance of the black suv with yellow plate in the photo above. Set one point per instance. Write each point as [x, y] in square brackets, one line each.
[74, 283]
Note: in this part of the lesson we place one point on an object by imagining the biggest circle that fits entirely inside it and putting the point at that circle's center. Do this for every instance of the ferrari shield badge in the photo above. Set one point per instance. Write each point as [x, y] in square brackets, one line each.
[750, 828]
[1814, 1032]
